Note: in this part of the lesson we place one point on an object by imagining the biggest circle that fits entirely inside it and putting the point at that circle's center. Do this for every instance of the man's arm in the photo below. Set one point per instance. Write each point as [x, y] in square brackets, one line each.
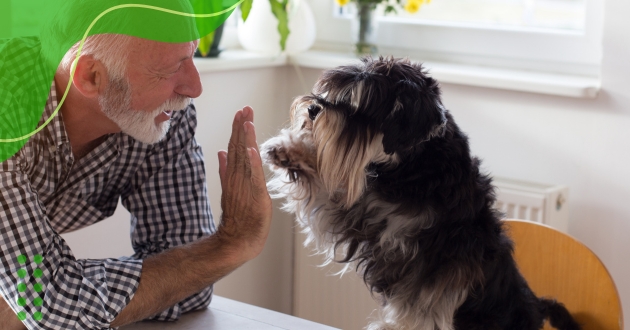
[9, 319]
[164, 189]
[175, 274]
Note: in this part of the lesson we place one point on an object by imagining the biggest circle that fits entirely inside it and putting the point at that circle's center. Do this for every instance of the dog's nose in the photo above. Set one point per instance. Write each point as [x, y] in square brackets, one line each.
[284, 162]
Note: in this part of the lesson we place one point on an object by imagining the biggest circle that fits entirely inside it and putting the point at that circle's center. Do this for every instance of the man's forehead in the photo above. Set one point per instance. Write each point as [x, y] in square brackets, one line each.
[162, 53]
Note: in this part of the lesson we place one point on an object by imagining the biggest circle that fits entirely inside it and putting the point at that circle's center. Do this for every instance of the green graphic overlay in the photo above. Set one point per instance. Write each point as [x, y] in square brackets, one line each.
[36, 34]
[22, 287]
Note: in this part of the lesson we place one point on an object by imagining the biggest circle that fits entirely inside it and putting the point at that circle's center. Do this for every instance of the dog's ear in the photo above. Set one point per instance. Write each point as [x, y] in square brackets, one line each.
[417, 115]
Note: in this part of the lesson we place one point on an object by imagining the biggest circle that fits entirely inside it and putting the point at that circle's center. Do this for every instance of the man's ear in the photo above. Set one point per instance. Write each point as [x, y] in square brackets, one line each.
[90, 76]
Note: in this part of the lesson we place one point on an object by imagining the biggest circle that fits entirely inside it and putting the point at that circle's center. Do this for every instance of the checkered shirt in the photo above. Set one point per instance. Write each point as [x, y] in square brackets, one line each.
[44, 191]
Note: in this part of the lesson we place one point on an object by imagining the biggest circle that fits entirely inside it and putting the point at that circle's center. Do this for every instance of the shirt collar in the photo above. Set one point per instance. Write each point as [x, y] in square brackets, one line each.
[55, 130]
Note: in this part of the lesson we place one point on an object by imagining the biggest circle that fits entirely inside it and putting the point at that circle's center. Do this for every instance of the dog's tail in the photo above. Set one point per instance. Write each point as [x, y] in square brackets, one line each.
[558, 316]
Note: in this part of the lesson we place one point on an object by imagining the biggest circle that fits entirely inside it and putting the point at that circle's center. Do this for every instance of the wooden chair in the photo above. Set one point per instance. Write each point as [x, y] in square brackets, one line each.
[557, 265]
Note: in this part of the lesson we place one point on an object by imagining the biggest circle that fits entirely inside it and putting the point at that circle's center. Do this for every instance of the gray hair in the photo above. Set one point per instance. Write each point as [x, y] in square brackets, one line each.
[110, 49]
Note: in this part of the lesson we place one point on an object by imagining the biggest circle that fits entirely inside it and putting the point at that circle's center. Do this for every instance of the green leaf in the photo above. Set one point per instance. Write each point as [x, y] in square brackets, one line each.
[370, 2]
[279, 9]
[390, 9]
[207, 24]
[246, 7]
[205, 43]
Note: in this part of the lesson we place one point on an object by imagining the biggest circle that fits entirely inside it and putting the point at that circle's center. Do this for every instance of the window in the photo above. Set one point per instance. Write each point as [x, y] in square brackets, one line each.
[561, 15]
[562, 36]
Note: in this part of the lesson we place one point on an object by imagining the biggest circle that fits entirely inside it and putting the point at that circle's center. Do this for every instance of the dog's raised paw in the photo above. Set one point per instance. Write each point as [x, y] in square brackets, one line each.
[279, 156]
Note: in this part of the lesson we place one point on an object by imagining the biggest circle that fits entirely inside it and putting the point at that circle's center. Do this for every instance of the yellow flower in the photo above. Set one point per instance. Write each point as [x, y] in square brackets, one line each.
[342, 2]
[412, 6]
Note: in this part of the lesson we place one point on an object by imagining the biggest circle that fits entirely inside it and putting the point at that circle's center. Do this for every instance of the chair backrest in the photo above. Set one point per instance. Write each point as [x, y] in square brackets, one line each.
[558, 266]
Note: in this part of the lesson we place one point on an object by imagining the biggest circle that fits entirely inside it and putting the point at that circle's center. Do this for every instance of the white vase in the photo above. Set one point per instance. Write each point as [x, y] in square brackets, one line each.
[260, 32]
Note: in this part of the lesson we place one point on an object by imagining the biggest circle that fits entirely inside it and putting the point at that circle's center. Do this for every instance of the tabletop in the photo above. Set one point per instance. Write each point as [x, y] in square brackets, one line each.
[227, 314]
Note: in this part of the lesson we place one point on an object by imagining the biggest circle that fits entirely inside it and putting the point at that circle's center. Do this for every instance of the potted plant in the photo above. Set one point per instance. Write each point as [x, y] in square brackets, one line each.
[209, 44]
[279, 8]
[275, 26]
[364, 23]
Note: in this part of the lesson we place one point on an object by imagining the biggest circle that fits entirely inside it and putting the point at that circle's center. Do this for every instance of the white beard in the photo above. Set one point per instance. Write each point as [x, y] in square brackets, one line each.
[116, 105]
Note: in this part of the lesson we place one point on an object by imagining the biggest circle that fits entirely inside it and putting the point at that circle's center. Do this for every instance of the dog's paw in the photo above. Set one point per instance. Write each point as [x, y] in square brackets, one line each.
[281, 152]
[290, 153]
[280, 157]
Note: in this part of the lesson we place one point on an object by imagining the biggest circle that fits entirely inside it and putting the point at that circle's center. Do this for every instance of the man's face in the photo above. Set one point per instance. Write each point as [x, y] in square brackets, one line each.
[160, 78]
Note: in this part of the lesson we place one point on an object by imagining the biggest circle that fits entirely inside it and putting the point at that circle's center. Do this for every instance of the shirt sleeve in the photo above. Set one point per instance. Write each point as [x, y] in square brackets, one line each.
[40, 278]
[168, 201]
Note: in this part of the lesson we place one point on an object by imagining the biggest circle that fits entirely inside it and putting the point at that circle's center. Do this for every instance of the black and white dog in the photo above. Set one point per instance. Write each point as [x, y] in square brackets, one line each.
[375, 169]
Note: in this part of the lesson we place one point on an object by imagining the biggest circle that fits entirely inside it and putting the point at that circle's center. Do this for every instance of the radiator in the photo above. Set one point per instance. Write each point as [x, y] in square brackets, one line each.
[542, 203]
[344, 302]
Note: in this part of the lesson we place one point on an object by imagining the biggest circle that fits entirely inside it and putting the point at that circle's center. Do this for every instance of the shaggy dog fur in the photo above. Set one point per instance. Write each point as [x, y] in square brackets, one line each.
[377, 171]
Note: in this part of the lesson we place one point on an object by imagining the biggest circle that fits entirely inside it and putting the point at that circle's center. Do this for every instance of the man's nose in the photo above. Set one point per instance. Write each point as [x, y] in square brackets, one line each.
[190, 84]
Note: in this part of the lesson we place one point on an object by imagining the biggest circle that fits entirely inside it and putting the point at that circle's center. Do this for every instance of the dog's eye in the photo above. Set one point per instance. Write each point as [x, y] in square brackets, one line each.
[313, 110]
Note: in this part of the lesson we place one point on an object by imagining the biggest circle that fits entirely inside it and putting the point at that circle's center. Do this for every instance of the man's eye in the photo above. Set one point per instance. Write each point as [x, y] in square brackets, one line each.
[173, 70]
[313, 110]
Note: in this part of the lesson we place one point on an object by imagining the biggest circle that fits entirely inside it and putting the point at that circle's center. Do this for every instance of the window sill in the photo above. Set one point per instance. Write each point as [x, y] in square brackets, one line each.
[471, 75]
[239, 59]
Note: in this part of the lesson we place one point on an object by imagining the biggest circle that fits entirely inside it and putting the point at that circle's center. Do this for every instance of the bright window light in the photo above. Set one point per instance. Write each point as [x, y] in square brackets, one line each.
[564, 15]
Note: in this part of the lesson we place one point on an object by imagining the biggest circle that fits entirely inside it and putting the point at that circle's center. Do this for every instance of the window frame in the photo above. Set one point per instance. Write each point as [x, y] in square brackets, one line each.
[544, 50]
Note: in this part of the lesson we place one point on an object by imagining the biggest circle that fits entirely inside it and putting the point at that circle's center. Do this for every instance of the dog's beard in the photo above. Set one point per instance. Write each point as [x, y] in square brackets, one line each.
[116, 105]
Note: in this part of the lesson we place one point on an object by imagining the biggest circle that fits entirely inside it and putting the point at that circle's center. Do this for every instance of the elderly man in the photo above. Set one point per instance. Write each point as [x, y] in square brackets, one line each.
[125, 130]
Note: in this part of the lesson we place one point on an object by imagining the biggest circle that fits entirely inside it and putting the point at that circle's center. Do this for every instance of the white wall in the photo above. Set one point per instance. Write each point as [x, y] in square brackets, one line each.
[106, 239]
[267, 280]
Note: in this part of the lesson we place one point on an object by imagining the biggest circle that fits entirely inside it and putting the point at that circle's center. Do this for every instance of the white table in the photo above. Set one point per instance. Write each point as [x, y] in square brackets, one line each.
[227, 314]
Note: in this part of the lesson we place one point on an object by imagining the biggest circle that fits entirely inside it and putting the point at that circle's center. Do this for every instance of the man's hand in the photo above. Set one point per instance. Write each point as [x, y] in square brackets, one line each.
[245, 201]
[9, 320]
[241, 235]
